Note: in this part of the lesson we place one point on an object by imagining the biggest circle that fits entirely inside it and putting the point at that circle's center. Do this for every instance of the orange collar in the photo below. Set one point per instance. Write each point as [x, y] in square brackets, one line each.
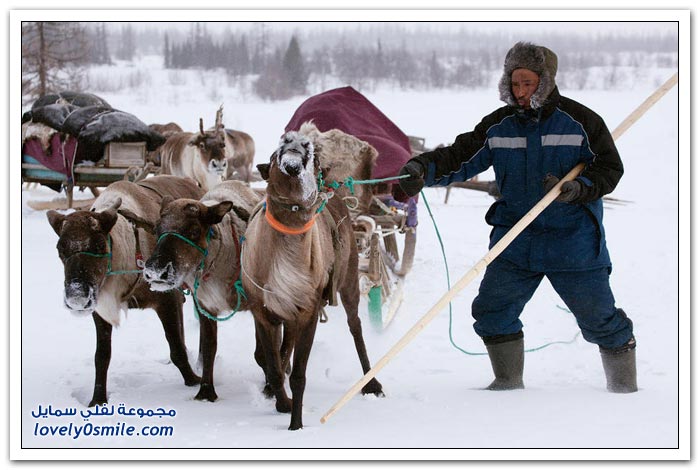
[280, 227]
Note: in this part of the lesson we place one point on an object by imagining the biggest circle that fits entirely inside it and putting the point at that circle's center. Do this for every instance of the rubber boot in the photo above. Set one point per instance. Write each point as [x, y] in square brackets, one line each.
[507, 361]
[620, 366]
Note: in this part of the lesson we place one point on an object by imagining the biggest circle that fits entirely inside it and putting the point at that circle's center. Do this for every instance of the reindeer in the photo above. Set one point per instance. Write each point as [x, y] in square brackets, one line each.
[240, 153]
[199, 156]
[299, 252]
[100, 250]
[199, 246]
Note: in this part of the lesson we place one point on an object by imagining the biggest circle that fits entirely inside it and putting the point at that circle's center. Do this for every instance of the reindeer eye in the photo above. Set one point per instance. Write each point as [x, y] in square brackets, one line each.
[222, 145]
[201, 145]
[194, 232]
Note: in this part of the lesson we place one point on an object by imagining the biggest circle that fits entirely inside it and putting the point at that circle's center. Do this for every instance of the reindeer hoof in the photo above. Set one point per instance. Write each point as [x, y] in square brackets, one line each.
[97, 401]
[267, 391]
[284, 406]
[373, 387]
[206, 392]
[193, 380]
[295, 426]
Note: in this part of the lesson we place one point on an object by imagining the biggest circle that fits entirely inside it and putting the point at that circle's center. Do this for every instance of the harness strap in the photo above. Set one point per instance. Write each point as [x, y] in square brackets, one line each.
[280, 227]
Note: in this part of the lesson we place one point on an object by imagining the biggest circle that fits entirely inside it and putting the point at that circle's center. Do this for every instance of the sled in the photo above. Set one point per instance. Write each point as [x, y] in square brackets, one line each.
[92, 176]
[78, 140]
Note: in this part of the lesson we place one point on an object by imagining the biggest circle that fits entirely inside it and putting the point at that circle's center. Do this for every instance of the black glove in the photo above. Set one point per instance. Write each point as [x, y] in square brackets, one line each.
[415, 183]
[571, 191]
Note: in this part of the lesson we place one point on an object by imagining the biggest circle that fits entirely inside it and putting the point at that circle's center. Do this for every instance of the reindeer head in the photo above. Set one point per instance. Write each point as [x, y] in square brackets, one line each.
[84, 249]
[183, 239]
[212, 145]
[293, 170]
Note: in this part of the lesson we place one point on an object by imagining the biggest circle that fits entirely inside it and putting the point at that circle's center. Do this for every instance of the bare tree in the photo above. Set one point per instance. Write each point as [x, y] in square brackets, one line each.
[52, 54]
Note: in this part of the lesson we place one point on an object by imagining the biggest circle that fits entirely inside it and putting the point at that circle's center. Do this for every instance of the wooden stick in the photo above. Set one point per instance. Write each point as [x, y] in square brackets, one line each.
[644, 107]
[497, 249]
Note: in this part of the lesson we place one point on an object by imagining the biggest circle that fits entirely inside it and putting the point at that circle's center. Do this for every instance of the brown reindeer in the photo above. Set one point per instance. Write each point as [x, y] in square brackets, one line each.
[298, 254]
[199, 246]
[100, 250]
[201, 156]
[240, 153]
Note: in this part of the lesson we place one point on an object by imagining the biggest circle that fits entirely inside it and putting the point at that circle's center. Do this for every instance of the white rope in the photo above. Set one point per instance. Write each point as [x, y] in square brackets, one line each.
[250, 278]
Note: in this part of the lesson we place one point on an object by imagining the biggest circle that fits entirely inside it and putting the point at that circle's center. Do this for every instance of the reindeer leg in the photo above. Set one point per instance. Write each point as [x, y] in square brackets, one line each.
[350, 296]
[169, 310]
[285, 354]
[288, 339]
[274, 375]
[103, 354]
[208, 346]
[297, 381]
[260, 360]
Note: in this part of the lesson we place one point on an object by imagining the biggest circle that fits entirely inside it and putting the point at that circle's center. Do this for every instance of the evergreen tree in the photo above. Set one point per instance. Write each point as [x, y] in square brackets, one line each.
[294, 68]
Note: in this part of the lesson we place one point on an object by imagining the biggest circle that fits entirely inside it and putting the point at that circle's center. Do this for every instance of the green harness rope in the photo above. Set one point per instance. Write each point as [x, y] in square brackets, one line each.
[109, 260]
[198, 309]
[350, 182]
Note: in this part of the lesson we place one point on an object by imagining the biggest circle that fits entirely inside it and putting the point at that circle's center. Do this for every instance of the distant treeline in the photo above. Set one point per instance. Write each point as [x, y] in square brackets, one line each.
[283, 62]
[409, 58]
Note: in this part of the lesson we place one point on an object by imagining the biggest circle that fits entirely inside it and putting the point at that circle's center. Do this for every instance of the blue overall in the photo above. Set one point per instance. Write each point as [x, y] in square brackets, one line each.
[566, 242]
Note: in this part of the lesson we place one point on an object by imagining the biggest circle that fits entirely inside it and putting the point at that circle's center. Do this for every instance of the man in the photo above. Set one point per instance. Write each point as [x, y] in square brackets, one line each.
[532, 142]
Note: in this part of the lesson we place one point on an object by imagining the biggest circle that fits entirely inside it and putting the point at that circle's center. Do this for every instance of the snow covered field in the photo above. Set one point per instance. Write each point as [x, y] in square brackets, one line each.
[433, 391]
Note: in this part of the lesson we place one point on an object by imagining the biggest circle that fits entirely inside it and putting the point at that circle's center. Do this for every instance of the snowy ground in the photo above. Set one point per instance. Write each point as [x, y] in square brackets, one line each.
[433, 392]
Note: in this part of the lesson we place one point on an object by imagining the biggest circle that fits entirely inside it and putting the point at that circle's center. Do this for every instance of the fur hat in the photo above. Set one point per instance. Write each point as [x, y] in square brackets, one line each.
[539, 59]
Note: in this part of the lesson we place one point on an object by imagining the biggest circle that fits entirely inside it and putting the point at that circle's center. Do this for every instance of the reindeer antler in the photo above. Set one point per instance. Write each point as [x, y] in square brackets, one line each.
[219, 118]
[201, 126]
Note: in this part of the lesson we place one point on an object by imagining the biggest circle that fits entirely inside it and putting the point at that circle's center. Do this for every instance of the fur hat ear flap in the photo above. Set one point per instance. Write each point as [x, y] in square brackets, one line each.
[539, 59]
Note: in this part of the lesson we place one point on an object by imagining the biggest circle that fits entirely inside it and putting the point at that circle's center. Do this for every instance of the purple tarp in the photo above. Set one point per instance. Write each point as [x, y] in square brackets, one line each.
[58, 158]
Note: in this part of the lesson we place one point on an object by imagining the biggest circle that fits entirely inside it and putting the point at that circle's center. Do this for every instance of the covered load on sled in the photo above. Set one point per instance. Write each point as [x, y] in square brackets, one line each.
[77, 139]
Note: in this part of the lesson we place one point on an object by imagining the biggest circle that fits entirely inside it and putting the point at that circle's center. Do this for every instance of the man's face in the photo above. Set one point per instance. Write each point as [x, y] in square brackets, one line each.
[524, 83]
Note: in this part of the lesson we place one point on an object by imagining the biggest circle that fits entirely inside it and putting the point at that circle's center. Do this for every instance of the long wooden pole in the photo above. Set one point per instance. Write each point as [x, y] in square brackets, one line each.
[497, 249]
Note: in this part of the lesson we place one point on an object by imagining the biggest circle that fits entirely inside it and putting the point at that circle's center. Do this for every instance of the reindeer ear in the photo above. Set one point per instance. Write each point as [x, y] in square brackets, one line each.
[264, 169]
[216, 213]
[242, 214]
[56, 220]
[165, 202]
[140, 222]
[107, 219]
